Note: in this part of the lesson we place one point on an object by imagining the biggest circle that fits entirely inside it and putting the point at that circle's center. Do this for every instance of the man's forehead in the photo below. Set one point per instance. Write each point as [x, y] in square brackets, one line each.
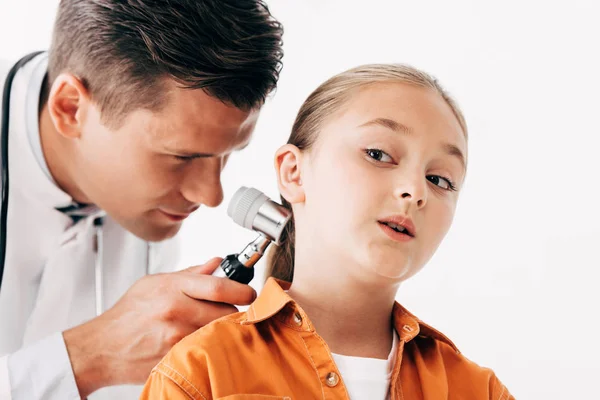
[207, 136]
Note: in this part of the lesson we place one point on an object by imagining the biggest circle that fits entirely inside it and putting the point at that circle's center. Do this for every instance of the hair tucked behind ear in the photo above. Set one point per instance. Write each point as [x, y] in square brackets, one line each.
[281, 258]
[322, 104]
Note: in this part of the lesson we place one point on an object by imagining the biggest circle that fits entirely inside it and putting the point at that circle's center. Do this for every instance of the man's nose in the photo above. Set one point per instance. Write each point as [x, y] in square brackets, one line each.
[202, 185]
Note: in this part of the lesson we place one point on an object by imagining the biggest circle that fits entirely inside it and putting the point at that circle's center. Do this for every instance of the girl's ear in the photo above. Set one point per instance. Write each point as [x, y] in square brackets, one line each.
[288, 161]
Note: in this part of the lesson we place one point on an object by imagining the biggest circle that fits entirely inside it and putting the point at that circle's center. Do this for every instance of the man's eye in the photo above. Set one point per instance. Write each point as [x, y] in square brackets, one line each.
[378, 155]
[184, 158]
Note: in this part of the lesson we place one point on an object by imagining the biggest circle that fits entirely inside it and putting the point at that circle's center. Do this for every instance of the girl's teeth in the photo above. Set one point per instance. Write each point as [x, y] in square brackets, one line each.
[394, 226]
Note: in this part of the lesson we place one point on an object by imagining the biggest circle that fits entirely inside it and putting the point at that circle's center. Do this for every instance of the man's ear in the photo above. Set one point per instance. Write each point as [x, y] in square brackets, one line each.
[68, 104]
[288, 162]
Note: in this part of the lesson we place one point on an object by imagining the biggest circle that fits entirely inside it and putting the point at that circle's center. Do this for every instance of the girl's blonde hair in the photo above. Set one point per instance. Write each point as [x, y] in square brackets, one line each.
[328, 98]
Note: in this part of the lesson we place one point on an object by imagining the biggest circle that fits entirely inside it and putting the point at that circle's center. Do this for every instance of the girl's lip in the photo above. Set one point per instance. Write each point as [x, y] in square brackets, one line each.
[394, 235]
[401, 220]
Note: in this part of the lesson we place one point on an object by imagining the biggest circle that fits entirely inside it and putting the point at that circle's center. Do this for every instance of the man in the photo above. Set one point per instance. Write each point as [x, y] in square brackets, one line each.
[116, 135]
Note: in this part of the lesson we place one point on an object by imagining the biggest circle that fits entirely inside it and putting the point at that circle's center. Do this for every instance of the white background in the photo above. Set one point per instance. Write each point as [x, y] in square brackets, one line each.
[515, 282]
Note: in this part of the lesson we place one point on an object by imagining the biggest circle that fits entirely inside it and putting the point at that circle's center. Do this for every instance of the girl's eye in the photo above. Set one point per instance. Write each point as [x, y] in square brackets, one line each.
[441, 182]
[379, 155]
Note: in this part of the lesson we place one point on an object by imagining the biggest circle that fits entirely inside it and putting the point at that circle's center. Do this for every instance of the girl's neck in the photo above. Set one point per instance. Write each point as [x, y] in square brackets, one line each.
[352, 314]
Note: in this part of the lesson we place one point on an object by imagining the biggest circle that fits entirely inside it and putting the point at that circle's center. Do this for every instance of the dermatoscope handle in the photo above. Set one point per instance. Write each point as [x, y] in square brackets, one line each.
[253, 210]
[240, 267]
[233, 269]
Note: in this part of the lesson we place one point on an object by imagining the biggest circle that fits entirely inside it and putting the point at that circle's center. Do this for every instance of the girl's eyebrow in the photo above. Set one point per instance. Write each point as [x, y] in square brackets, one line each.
[396, 126]
[455, 151]
[390, 124]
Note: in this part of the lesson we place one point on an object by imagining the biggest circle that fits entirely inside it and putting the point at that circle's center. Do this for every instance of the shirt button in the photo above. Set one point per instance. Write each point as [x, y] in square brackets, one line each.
[332, 379]
[298, 319]
[407, 328]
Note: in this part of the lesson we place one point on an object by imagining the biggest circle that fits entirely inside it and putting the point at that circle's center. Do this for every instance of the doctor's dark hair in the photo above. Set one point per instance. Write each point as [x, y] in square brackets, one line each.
[122, 51]
[322, 104]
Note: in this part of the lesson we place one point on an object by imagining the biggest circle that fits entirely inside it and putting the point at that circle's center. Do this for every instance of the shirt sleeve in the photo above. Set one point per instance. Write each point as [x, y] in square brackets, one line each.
[499, 391]
[4, 380]
[166, 383]
[41, 371]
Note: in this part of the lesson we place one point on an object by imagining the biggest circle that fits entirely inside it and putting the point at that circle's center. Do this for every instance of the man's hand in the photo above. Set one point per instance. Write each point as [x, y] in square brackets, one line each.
[122, 345]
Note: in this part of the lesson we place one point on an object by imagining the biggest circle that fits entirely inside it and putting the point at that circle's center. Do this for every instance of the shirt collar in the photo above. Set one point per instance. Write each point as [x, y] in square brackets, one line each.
[38, 73]
[273, 299]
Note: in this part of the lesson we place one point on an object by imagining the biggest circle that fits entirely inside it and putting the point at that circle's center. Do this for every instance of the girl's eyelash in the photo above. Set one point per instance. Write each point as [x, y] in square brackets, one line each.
[376, 155]
[451, 186]
[373, 152]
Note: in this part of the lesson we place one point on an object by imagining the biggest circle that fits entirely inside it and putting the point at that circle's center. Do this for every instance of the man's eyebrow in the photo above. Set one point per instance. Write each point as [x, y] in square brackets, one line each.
[191, 154]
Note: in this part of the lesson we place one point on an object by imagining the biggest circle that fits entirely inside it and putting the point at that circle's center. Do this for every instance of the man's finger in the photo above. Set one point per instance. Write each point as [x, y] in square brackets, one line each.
[206, 269]
[201, 313]
[220, 290]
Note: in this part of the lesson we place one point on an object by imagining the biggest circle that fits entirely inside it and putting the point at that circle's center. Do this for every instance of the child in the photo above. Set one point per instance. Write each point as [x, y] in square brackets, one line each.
[372, 172]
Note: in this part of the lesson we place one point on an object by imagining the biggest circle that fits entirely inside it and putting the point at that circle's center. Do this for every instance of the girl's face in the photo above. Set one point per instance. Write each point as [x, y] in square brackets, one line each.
[381, 182]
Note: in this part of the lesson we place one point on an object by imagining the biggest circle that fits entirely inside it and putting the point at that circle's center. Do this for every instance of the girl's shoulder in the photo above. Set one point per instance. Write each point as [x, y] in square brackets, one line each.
[429, 353]
[441, 358]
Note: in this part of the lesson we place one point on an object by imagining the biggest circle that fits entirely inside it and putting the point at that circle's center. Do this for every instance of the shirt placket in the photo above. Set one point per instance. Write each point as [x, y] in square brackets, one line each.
[330, 380]
[407, 329]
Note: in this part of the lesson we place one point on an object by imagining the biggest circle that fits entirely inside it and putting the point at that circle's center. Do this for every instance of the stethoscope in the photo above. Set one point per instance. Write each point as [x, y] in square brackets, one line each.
[98, 238]
[4, 154]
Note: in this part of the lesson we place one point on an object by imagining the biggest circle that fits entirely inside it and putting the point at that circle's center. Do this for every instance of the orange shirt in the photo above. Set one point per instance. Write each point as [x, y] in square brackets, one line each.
[272, 351]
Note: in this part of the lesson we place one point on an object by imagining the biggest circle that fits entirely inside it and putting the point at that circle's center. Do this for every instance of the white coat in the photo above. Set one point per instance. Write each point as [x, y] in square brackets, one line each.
[50, 281]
